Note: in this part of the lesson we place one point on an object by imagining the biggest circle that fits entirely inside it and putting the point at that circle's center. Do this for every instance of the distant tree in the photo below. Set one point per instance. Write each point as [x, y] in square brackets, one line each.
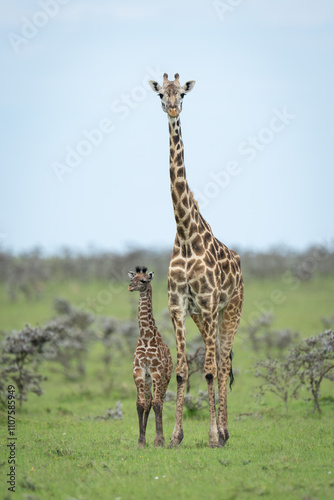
[25, 274]
[20, 358]
[195, 362]
[71, 333]
[306, 365]
[328, 321]
[314, 358]
[280, 378]
[193, 404]
[262, 336]
[110, 338]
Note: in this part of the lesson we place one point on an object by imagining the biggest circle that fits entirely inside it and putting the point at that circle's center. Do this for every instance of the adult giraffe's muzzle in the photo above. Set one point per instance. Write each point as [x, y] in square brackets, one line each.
[173, 112]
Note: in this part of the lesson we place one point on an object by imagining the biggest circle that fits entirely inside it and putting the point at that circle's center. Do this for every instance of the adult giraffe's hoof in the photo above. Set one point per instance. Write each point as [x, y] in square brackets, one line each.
[176, 440]
[223, 437]
[213, 439]
[174, 444]
[213, 445]
[159, 443]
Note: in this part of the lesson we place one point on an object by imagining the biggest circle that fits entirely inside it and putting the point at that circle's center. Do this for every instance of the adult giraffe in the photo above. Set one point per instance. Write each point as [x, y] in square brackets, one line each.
[204, 279]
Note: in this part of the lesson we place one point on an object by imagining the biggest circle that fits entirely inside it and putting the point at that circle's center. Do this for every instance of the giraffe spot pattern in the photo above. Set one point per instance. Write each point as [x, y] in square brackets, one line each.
[181, 213]
[174, 198]
[180, 187]
[176, 140]
[211, 278]
[186, 222]
[209, 260]
[185, 202]
[197, 245]
[178, 263]
[181, 232]
[179, 159]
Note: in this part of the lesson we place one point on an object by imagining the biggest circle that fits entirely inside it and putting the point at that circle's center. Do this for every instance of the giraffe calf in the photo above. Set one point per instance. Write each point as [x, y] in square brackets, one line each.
[152, 363]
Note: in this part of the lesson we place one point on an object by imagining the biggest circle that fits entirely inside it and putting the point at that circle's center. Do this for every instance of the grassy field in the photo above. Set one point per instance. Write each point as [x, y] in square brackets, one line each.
[65, 451]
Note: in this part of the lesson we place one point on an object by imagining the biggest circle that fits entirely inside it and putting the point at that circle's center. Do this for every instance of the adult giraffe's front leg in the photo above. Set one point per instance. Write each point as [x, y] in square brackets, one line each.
[178, 320]
[227, 330]
[207, 325]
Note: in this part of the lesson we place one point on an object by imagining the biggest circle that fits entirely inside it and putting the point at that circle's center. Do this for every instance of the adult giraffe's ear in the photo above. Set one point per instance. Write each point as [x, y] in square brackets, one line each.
[151, 275]
[154, 86]
[188, 86]
[131, 274]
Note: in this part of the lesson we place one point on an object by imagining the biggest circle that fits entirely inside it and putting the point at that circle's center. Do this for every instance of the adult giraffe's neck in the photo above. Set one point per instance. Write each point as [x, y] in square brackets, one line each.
[183, 201]
[146, 321]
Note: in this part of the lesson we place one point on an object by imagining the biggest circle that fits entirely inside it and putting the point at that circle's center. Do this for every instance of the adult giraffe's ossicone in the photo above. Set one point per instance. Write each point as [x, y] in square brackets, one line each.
[204, 279]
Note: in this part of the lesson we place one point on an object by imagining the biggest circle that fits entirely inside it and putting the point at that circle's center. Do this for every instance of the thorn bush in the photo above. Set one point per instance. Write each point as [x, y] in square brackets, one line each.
[263, 336]
[314, 358]
[70, 337]
[306, 365]
[21, 354]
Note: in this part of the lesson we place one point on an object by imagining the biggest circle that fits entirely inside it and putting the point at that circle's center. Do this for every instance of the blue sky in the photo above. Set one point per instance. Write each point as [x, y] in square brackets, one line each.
[84, 157]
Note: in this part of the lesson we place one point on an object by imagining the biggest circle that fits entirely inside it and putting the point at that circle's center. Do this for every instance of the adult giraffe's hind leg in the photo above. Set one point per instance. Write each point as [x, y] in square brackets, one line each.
[227, 329]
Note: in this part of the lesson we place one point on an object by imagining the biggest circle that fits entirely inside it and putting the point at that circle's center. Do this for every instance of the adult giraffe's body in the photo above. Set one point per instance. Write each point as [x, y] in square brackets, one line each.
[204, 279]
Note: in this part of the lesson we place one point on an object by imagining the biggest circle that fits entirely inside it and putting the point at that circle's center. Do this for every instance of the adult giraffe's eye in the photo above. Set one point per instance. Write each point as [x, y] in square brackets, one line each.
[161, 96]
[143, 281]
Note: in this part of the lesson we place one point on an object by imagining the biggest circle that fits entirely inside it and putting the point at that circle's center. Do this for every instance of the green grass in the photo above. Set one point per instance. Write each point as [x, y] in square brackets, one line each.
[64, 452]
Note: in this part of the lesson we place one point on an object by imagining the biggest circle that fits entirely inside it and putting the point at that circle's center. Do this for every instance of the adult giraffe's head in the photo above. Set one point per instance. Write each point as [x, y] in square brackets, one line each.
[140, 280]
[171, 94]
